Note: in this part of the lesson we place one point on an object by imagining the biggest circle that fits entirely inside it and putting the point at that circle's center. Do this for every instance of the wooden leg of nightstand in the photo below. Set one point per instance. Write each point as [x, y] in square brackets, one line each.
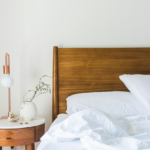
[29, 147]
[0, 148]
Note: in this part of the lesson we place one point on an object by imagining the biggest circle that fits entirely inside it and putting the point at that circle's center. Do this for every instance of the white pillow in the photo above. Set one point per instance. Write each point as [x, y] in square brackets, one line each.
[139, 86]
[115, 103]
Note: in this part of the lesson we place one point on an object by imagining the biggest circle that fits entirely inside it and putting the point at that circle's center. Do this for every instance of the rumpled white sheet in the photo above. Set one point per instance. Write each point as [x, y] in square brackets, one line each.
[100, 131]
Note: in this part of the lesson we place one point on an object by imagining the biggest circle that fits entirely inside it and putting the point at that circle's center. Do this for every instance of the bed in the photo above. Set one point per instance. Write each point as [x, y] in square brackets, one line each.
[81, 70]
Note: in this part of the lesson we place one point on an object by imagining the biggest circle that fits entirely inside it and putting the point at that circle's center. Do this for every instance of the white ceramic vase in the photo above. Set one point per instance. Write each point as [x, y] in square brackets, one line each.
[28, 111]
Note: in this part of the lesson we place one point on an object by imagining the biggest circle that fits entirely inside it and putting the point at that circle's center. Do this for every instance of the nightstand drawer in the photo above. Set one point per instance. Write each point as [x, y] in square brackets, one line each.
[16, 137]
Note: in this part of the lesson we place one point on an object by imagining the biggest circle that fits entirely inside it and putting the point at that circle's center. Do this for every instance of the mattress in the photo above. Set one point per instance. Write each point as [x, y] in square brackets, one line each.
[52, 145]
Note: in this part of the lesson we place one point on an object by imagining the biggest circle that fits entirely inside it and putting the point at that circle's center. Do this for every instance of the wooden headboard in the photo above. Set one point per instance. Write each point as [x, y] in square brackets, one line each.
[78, 70]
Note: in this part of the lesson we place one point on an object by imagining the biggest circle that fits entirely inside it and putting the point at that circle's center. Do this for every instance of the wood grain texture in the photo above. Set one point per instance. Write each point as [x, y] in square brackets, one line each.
[55, 83]
[39, 131]
[94, 70]
[16, 137]
[30, 147]
[25, 136]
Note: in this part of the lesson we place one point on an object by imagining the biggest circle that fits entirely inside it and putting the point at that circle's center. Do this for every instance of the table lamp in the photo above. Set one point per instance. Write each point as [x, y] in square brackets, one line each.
[7, 81]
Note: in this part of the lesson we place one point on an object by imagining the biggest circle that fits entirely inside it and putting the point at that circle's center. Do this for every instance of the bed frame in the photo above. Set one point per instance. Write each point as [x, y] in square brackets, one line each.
[78, 70]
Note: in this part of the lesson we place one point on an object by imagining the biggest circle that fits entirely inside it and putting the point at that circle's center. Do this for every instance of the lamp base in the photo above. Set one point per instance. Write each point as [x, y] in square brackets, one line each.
[4, 118]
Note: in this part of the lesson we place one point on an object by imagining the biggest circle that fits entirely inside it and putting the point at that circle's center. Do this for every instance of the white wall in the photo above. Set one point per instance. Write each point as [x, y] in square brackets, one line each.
[30, 28]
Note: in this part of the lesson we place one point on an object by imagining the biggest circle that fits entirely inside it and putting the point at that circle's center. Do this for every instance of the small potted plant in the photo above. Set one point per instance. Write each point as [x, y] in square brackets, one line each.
[28, 110]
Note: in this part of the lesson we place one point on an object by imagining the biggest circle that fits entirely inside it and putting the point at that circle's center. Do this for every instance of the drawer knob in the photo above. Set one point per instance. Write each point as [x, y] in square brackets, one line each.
[8, 138]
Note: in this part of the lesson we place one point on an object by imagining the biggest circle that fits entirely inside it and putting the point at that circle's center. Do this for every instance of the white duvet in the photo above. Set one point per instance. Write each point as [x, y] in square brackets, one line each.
[99, 131]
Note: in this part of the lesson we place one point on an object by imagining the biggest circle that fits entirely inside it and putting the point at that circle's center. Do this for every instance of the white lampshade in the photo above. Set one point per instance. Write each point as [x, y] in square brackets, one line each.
[7, 81]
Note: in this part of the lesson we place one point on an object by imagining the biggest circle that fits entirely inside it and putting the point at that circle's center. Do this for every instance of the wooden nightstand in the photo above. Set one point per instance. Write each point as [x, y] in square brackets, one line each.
[17, 134]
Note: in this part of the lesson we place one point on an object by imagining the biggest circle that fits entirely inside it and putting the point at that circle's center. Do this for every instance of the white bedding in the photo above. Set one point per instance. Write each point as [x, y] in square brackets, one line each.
[117, 103]
[53, 145]
[60, 118]
[92, 129]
